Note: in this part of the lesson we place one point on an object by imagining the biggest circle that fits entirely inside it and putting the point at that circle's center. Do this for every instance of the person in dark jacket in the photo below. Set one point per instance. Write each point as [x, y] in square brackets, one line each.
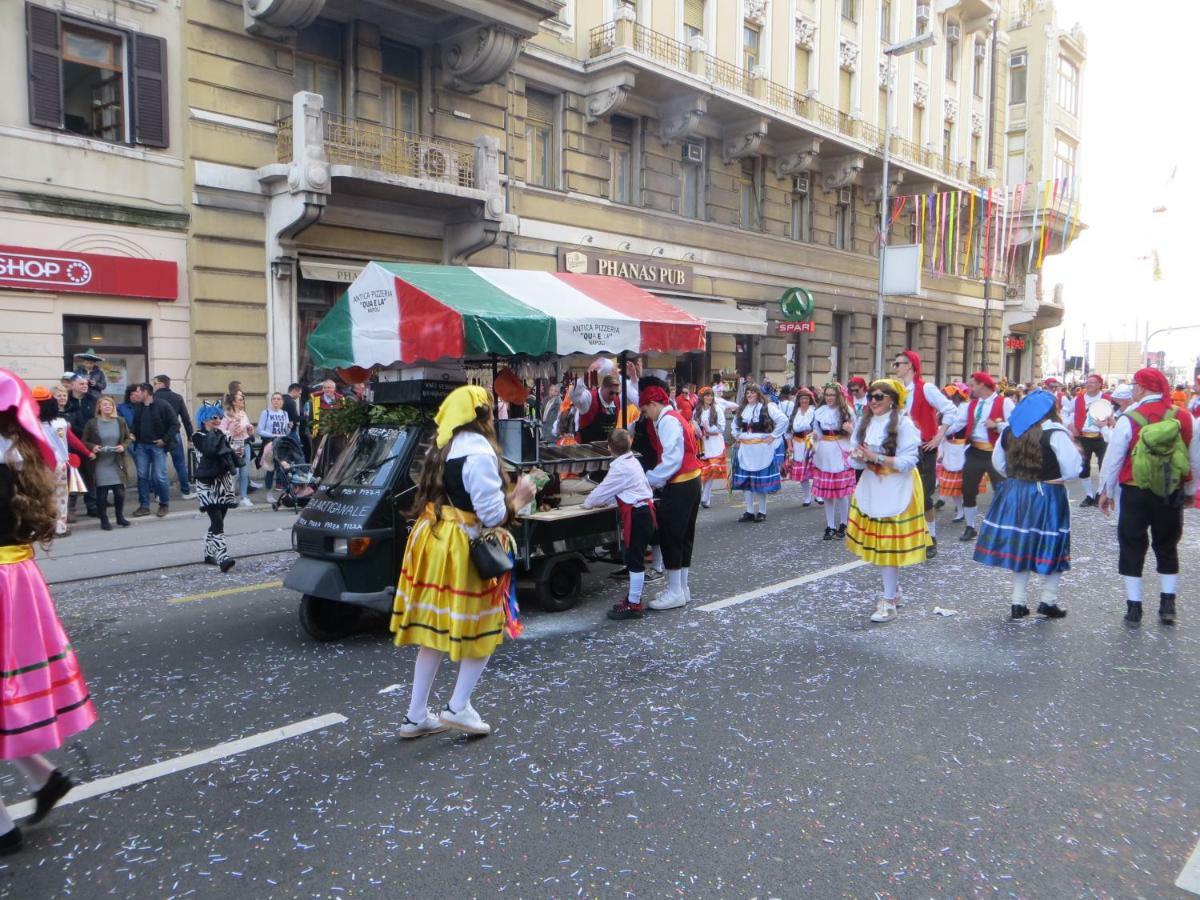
[162, 388]
[155, 429]
[81, 409]
[89, 368]
[293, 403]
[214, 482]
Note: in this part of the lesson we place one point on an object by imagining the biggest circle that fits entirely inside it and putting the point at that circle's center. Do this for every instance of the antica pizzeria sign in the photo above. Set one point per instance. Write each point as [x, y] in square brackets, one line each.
[56, 271]
[649, 273]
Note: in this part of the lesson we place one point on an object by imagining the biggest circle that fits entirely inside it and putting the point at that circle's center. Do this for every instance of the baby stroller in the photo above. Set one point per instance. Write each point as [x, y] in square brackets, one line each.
[293, 475]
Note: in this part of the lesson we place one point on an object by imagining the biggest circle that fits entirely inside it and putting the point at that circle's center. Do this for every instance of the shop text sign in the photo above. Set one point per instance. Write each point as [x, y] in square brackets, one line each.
[56, 271]
[796, 327]
[649, 273]
[1014, 343]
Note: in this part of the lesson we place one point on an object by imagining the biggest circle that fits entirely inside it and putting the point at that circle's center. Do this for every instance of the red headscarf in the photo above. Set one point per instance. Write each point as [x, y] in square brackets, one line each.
[915, 359]
[1154, 381]
[857, 381]
[984, 378]
[15, 395]
[654, 395]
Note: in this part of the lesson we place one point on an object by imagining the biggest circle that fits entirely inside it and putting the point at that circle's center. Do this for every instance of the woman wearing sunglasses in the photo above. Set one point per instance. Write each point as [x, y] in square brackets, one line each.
[887, 518]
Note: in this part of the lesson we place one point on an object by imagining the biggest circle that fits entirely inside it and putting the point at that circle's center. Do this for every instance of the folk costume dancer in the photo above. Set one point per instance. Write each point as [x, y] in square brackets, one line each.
[757, 428]
[46, 699]
[710, 420]
[625, 482]
[1089, 433]
[787, 406]
[800, 429]
[677, 478]
[887, 523]
[1027, 529]
[952, 454]
[981, 422]
[216, 472]
[924, 403]
[1140, 450]
[442, 602]
[833, 478]
[600, 407]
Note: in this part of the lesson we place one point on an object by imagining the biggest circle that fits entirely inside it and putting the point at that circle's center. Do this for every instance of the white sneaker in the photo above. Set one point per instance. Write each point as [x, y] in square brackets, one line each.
[429, 725]
[668, 600]
[687, 594]
[466, 720]
[245, 503]
[885, 611]
[190, 495]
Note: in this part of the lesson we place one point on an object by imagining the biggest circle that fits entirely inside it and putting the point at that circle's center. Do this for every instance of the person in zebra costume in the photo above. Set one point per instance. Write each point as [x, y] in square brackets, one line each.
[215, 473]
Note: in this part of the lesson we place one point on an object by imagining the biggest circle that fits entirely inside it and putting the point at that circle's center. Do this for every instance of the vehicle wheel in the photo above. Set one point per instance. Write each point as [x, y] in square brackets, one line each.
[558, 585]
[328, 620]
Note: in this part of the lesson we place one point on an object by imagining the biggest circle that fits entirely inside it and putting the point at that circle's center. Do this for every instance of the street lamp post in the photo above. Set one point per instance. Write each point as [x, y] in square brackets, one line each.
[920, 42]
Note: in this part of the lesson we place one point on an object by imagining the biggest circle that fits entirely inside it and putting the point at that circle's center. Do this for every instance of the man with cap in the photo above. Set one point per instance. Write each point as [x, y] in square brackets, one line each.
[677, 476]
[981, 422]
[858, 393]
[90, 369]
[600, 407]
[926, 405]
[1141, 508]
[1088, 433]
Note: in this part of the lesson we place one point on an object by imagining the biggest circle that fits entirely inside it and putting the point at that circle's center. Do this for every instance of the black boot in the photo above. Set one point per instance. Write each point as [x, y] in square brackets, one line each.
[969, 534]
[1051, 611]
[829, 533]
[1019, 610]
[119, 505]
[841, 530]
[10, 841]
[747, 517]
[1166, 609]
[1133, 612]
[47, 796]
[102, 508]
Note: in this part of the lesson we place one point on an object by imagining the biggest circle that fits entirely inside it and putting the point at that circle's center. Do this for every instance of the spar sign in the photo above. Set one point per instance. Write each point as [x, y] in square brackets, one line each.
[54, 271]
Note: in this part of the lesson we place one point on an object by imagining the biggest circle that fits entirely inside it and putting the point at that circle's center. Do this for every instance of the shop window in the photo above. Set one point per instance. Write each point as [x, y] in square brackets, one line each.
[313, 300]
[94, 81]
[401, 87]
[541, 138]
[912, 336]
[122, 343]
[621, 183]
[318, 66]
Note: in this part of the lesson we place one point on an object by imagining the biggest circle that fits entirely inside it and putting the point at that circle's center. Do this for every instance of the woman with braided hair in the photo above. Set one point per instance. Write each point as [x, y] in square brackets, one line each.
[887, 521]
[800, 425]
[757, 427]
[710, 420]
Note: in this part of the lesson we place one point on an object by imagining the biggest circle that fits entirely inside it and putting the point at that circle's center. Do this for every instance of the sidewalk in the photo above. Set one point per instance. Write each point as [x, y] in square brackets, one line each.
[153, 543]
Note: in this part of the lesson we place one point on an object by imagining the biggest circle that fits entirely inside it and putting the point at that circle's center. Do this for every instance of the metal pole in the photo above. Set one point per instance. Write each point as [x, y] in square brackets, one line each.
[623, 418]
[883, 217]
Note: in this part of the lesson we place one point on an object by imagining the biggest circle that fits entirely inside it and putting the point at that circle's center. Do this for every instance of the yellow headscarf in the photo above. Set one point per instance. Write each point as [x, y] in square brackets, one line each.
[897, 386]
[459, 408]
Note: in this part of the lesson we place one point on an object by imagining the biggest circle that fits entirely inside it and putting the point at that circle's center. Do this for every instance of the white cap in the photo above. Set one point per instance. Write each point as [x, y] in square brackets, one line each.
[1123, 392]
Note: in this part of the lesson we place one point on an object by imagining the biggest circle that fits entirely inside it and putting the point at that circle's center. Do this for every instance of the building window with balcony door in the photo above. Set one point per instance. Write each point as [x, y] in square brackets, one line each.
[883, 108]
[948, 142]
[975, 146]
[979, 74]
[541, 138]
[1018, 69]
[621, 184]
[802, 214]
[691, 178]
[693, 19]
[1014, 172]
[751, 41]
[749, 192]
[952, 47]
[1064, 157]
[845, 90]
[1068, 85]
[318, 65]
[850, 10]
[400, 87]
[912, 335]
[885, 21]
[843, 220]
[803, 62]
[970, 349]
[918, 132]
[922, 27]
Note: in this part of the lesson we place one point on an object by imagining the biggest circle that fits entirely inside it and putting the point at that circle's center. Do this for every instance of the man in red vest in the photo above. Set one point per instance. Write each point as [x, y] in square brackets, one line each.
[677, 475]
[1142, 509]
[1088, 433]
[931, 411]
[981, 422]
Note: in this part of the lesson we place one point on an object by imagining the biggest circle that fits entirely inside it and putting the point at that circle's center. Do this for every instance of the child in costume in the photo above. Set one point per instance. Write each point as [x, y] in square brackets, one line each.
[833, 479]
[757, 427]
[710, 420]
[1028, 526]
[215, 475]
[800, 424]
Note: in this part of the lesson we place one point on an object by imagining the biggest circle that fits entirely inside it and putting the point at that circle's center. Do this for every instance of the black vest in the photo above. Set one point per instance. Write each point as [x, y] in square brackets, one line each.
[602, 424]
[1050, 470]
[762, 425]
[456, 488]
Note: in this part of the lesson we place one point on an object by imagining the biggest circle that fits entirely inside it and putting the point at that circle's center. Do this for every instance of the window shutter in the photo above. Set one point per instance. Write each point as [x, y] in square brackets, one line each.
[45, 67]
[693, 14]
[540, 106]
[148, 68]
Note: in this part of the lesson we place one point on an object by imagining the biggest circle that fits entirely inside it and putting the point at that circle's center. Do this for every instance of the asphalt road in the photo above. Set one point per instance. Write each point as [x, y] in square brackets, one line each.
[779, 747]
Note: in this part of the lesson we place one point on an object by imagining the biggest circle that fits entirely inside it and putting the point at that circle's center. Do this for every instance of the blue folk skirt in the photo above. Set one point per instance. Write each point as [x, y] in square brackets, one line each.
[1027, 528]
[764, 481]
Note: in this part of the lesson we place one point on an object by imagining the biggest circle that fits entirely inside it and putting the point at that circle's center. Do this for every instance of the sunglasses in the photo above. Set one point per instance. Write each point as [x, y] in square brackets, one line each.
[877, 396]
[899, 363]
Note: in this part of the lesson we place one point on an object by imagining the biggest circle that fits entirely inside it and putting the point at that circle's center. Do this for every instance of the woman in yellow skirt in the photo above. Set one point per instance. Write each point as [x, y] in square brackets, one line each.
[887, 516]
[442, 604]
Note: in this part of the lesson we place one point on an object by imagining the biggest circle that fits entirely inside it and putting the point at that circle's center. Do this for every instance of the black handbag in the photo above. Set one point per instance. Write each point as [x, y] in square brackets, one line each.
[490, 556]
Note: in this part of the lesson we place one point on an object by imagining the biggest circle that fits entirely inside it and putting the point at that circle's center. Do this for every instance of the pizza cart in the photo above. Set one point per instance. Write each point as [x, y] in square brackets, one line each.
[422, 329]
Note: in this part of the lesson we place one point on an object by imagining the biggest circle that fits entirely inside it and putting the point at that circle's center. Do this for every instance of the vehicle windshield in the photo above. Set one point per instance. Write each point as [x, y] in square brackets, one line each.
[370, 457]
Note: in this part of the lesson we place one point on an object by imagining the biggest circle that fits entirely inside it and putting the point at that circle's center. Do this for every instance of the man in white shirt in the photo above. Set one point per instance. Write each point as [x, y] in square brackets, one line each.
[1088, 433]
[926, 405]
[981, 420]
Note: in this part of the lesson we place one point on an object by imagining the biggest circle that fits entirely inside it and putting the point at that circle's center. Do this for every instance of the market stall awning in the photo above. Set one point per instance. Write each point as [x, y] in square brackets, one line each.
[399, 313]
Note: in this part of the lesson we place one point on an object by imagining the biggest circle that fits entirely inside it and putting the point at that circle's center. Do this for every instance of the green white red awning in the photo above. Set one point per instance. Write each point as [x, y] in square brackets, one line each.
[397, 313]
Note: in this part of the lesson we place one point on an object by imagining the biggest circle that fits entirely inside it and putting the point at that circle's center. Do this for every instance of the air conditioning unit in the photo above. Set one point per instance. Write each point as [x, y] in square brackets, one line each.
[980, 50]
[436, 162]
[924, 12]
[1018, 60]
[693, 152]
[799, 184]
[953, 31]
[844, 197]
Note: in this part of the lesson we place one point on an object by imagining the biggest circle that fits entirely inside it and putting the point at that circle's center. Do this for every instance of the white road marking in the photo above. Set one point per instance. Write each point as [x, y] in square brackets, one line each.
[1189, 878]
[187, 761]
[781, 586]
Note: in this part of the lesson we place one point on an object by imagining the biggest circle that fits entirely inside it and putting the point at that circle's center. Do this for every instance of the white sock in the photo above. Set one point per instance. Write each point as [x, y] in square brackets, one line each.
[830, 514]
[969, 511]
[1094, 486]
[843, 510]
[749, 502]
[36, 769]
[1020, 588]
[424, 671]
[958, 507]
[891, 582]
[1133, 588]
[931, 524]
[1168, 583]
[683, 577]
[1050, 588]
[637, 580]
[806, 491]
[656, 560]
[762, 503]
[675, 581]
[706, 493]
[469, 670]
[6, 822]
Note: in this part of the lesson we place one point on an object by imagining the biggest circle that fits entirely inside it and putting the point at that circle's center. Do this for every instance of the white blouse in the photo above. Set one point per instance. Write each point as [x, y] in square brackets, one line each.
[830, 456]
[802, 421]
[888, 495]
[481, 478]
[1070, 461]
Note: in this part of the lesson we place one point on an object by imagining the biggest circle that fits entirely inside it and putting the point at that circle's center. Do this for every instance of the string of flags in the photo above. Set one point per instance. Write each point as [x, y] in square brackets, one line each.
[982, 233]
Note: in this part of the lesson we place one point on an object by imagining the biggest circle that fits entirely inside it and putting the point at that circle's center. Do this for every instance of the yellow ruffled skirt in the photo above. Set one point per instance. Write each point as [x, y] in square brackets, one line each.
[894, 541]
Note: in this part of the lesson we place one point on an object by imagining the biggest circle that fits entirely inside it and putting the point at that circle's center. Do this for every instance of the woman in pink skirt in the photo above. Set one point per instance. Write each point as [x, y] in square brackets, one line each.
[45, 699]
[833, 478]
[800, 426]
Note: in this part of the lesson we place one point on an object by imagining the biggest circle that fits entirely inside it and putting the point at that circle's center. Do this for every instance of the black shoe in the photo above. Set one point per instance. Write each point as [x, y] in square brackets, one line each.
[760, 517]
[141, 511]
[123, 522]
[747, 517]
[1133, 612]
[931, 550]
[626, 610]
[11, 841]
[210, 560]
[1019, 610]
[969, 534]
[841, 530]
[829, 534]
[163, 509]
[105, 525]
[808, 503]
[45, 797]
[1166, 608]
[227, 563]
[622, 574]
[939, 503]
[1051, 611]
[1088, 501]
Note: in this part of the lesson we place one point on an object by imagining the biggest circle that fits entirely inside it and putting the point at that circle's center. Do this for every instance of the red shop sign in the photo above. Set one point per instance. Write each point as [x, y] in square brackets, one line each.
[1014, 343]
[26, 269]
[795, 327]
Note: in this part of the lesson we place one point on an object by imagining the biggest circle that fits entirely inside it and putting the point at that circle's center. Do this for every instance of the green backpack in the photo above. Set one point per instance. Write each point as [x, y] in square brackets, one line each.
[1160, 458]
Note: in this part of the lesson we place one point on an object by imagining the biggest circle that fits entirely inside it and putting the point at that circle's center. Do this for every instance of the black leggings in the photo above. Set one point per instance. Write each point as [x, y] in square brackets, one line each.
[216, 519]
[118, 500]
[641, 536]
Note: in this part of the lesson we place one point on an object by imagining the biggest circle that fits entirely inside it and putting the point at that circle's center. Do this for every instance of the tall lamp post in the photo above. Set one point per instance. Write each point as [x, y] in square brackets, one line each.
[920, 42]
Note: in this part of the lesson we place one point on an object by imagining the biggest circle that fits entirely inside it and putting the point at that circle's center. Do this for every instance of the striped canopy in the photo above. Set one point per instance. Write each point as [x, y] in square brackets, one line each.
[395, 313]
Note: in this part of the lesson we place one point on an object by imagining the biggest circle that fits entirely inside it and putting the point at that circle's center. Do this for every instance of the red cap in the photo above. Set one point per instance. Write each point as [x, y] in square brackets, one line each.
[857, 380]
[915, 359]
[1097, 376]
[654, 395]
[984, 378]
[1152, 380]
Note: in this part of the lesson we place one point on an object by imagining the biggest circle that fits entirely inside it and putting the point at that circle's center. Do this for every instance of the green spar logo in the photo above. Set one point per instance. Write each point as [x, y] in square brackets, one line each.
[797, 305]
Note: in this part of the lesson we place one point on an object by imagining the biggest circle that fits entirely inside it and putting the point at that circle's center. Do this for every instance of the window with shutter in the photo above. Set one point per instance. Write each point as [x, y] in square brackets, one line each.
[693, 18]
[541, 138]
[149, 65]
[45, 67]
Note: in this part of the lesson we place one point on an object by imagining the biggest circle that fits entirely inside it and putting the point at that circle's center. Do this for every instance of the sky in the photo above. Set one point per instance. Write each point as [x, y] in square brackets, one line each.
[1139, 127]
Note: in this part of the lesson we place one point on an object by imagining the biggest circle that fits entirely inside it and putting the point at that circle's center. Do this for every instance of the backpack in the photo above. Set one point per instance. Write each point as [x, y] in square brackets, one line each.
[1160, 458]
